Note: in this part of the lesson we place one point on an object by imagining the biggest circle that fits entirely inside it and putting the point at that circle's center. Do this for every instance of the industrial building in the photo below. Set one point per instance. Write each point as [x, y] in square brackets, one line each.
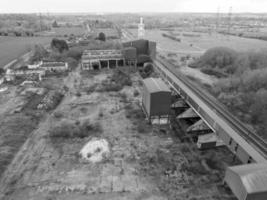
[24, 71]
[133, 53]
[145, 50]
[98, 59]
[54, 66]
[156, 99]
[248, 182]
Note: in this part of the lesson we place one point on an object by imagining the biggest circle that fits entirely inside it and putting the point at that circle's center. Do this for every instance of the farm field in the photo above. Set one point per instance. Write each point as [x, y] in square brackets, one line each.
[202, 43]
[68, 30]
[13, 47]
[166, 44]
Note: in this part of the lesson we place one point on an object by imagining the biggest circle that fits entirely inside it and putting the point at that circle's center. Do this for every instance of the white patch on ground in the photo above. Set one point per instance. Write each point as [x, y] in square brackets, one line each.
[95, 150]
[3, 89]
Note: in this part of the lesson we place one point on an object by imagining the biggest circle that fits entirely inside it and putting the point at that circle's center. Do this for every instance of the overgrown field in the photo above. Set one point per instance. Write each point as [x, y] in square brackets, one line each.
[196, 45]
[62, 31]
[13, 47]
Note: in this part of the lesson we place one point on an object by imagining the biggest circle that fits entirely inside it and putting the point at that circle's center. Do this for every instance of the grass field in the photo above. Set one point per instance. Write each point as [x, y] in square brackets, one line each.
[14, 47]
[67, 31]
[197, 45]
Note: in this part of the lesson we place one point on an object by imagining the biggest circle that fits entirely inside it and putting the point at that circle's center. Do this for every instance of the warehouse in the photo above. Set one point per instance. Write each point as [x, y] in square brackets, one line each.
[156, 99]
[248, 182]
[145, 50]
[98, 59]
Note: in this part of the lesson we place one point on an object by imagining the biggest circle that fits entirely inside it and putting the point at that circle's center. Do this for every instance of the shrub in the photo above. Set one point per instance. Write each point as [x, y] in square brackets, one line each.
[58, 114]
[136, 93]
[213, 72]
[69, 129]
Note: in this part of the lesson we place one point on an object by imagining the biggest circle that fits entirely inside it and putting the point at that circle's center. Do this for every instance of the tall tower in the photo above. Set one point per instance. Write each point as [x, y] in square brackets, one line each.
[229, 21]
[141, 28]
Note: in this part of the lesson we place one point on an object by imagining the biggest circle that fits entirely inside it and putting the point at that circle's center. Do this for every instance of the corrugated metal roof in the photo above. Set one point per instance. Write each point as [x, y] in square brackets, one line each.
[155, 85]
[253, 176]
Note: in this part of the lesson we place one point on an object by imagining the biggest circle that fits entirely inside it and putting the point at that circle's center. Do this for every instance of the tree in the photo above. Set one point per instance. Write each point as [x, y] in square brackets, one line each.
[2, 71]
[102, 36]
[54, 24]
[39, 53]
[59, 45]
[218, 57]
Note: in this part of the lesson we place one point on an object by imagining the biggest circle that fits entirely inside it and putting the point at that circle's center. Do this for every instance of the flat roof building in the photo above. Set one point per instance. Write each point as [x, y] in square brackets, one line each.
[98, 59]
[156, 98]
[248, 182]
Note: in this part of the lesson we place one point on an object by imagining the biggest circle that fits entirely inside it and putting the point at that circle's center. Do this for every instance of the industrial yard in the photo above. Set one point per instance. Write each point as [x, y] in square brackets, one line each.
[143, 162]
[126, 107]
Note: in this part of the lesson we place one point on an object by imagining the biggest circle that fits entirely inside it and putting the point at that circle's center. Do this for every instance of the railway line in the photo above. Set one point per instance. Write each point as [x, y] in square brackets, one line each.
[248, 135]
[242, 141]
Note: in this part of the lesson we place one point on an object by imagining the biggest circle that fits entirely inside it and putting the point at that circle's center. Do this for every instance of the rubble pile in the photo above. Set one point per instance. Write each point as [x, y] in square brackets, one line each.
[50, 101]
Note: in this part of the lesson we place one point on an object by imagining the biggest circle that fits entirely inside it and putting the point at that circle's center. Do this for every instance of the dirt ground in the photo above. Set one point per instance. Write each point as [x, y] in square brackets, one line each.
[145, 162]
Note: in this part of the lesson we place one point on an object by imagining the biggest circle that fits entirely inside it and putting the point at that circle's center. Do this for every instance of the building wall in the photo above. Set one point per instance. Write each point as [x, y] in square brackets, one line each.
[160, 103]
[146, 100]
[234, 182]
[140, 45]
[152, 49]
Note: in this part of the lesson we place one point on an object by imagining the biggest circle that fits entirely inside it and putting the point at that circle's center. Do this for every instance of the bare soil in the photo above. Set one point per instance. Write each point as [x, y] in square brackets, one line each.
[145, 162]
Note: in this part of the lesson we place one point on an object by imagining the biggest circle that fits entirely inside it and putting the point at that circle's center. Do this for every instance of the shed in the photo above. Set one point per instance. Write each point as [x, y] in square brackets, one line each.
[248, 182]
[156, 98]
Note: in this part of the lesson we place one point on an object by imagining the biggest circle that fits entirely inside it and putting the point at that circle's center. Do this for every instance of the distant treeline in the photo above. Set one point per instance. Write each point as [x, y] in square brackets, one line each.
[258, 36]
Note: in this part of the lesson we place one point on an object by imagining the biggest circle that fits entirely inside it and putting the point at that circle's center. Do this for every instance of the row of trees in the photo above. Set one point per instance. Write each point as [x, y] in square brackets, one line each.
[244, 90]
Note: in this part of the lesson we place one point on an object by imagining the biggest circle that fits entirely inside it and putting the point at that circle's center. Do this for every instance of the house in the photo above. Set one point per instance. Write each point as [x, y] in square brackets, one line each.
[54, 66]
[25, 72]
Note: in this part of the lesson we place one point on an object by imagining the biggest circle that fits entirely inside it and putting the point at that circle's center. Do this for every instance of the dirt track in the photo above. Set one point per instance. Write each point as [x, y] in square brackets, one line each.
[145, 161]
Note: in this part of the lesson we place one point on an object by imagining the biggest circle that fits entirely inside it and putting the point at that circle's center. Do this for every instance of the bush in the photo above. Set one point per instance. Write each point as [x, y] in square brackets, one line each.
[118, 80]
[59, 45]
[136, 93]
[213, 72]
[58, 114]
[69, 129]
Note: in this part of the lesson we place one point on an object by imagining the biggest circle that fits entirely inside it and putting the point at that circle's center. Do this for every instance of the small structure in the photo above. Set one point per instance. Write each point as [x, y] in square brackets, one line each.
[248, 182]
[54, 66]
[156, 99]
[141, 28]
[24, 71]
[98, 59]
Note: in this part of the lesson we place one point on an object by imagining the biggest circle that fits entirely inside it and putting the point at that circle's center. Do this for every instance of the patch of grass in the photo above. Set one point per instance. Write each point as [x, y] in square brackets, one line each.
[90, 89]
[68, 129]
[213, 72]
[117, 81]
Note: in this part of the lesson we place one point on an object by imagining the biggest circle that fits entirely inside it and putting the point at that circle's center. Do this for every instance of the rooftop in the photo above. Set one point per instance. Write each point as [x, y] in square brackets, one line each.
[155, 85]
[253, 176]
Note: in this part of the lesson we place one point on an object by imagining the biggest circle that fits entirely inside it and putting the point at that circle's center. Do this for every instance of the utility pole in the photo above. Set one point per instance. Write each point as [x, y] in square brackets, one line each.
[229, 21]
[217, 20]
[40, 18]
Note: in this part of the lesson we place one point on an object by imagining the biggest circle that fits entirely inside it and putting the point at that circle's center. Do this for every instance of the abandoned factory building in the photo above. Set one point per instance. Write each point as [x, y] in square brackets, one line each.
[133, 53]
[156, 98]
[248, 182]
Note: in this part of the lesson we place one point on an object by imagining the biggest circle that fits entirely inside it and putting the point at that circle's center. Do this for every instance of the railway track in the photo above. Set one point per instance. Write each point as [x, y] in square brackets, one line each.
[248, 135]
[236, 124]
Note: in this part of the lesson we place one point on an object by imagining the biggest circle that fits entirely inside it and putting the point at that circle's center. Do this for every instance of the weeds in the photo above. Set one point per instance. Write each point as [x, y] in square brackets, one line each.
[69, 129]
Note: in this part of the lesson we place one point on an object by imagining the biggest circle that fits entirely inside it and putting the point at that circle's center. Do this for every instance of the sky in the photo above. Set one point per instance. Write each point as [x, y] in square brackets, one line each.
[101, 6]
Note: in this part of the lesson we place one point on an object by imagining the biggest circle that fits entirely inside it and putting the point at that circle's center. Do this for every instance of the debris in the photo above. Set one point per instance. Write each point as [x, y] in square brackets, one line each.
[95, 150]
